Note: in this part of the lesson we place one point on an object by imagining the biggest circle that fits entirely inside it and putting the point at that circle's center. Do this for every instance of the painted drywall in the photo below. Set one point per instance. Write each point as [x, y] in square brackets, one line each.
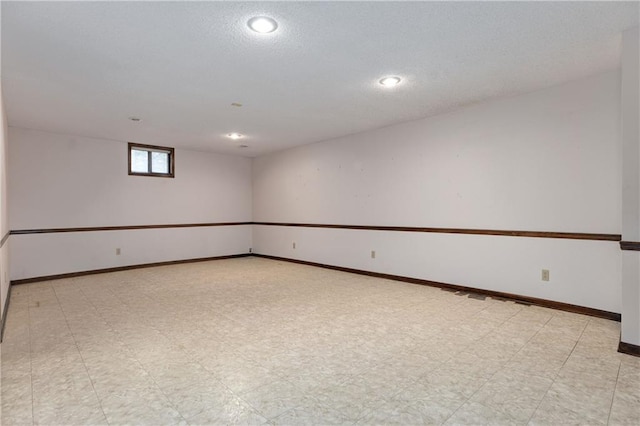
[37, 255]
[4, 249]
[61, 181]
[4, 223]
[505, 264]
[630, 101]
[544, 161]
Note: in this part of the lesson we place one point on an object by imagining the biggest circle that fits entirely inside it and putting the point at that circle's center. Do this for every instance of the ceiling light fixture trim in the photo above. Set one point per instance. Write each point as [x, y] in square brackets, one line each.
[235, 136]
[390, 81]
[262, 24]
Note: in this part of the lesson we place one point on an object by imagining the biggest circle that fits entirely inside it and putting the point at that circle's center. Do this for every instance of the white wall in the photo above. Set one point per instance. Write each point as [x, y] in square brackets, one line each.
[4, 227]
[4, 222]
[59, 181]
[544, 161]
[630, 104]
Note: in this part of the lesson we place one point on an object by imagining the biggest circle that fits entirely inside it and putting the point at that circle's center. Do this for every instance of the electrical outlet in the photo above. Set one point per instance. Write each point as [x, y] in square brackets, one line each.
[118, 252]
[373, 254]
[545, 275]
[294, 246]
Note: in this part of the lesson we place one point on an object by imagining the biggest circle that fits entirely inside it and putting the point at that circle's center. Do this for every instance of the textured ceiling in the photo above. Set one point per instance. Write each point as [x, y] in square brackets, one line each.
[84, 67]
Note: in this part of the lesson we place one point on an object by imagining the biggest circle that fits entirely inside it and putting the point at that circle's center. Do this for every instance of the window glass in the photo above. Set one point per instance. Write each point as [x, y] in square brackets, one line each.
[159, 162]
[139, 161]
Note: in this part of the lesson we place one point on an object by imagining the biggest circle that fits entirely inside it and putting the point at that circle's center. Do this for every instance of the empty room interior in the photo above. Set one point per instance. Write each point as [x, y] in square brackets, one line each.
[315, 213]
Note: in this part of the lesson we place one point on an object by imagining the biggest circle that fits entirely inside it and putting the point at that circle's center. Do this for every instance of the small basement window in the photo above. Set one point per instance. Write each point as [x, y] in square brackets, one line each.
[151, 160]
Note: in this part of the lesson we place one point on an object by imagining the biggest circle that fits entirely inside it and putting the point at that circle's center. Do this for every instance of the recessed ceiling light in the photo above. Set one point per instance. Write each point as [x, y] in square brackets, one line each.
[262, 24]
[390, 81]
[135, 119]
[234, 136]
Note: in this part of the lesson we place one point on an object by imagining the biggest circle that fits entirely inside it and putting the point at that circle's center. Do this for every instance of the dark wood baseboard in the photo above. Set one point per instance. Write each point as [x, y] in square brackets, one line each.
[4, 313]
[123, 268]
[630, 245]
[496, 294]
[629, 349]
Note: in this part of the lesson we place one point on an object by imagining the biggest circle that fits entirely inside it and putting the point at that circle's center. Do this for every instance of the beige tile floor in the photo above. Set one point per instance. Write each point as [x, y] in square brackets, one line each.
[255, 341]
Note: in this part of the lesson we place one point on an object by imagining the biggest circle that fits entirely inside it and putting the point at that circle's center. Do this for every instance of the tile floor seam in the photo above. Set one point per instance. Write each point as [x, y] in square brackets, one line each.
[557, 373]
[190, 357]
[505, 362]
[80, 353]
[361, 373]
[576, 344]
[614, 394]
[137, 361]
[496, 327]
[367, 412]
[514, 355]
[33, 414]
